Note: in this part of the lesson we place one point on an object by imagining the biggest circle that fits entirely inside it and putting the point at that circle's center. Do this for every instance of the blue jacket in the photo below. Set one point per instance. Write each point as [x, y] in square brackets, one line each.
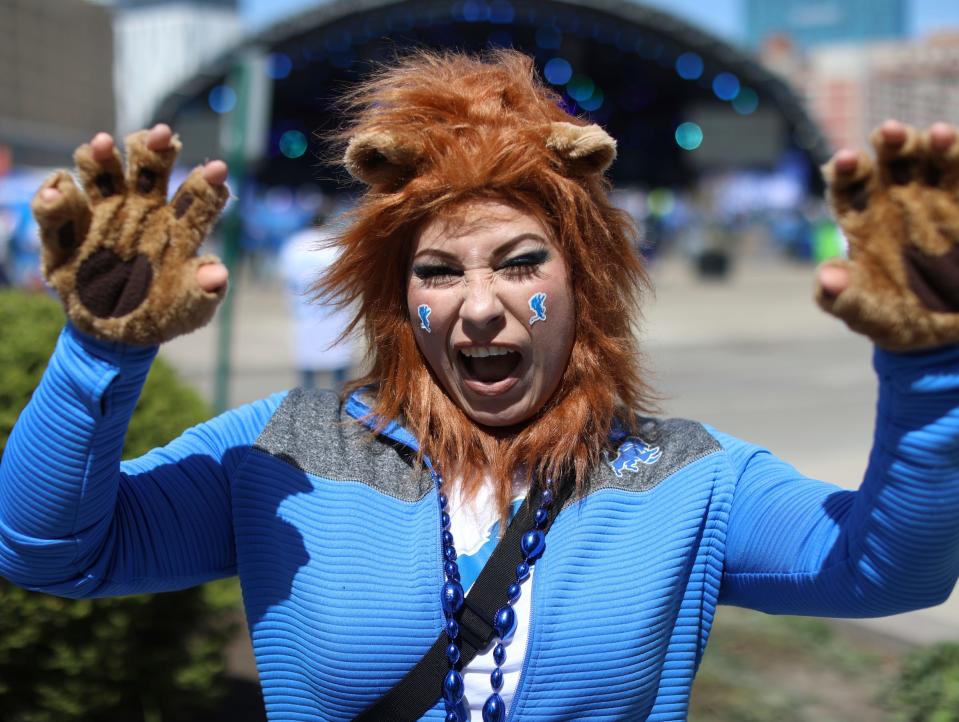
[336, 535]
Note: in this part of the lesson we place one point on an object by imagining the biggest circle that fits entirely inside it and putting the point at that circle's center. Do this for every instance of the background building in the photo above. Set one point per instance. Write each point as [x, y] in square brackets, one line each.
[69, 68]
[850, 88]
[159, 43]
[813, 22]
[56, 85]
[916, 82]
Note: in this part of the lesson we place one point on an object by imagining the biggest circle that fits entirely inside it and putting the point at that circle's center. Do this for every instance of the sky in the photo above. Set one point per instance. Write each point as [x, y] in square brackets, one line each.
[722, 17]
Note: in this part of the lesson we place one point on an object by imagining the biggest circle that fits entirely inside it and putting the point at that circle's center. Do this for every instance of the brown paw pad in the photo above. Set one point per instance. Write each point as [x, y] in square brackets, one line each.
[110, 287]
[106, 186]
[934, 279]
[67, 236]
[147, 180]
[902, 170]
[182, 204]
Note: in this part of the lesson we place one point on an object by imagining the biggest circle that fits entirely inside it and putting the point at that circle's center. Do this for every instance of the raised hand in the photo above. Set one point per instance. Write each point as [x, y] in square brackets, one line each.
[900, 214]
[122, 259]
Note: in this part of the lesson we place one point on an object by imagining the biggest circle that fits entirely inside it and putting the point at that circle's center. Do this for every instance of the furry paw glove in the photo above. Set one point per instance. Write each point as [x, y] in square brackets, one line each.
[122, 259]
[900, 214]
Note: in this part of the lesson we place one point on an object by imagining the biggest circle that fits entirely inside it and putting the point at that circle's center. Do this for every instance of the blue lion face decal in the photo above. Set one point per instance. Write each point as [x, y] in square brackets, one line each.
[631, 453]
[424, 312]
[537, 304]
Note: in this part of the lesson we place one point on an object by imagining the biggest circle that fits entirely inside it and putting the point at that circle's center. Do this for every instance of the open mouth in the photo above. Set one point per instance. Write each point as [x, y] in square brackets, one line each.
[489, 364]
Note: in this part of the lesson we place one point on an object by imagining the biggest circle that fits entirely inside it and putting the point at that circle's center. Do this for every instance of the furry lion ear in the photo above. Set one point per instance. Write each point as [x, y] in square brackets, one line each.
[378, 157]
[587, 148]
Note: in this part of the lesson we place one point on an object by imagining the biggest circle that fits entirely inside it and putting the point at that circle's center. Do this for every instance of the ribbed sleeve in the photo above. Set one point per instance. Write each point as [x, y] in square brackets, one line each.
[801, 546]
[75, 521]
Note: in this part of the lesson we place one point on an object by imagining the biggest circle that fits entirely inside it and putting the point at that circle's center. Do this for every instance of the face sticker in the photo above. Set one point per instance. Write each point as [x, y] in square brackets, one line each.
[537, 304]
[424, 312]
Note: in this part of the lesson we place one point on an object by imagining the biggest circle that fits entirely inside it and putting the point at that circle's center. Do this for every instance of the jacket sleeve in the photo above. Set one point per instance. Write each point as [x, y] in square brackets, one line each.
[76, 521]
[800, 546]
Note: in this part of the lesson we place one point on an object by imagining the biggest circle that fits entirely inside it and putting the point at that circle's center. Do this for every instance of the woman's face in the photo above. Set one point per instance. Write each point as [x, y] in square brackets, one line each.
[491, 303]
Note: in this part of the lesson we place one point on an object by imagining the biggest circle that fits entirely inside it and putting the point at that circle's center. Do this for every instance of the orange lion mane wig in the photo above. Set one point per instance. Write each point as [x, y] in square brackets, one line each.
[435, 131]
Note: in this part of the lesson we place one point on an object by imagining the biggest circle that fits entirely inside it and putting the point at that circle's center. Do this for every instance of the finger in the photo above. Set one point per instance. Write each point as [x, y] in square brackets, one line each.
[941, 142]
[150, 158]
[102, 146]
[212, 277]
[832, 278]
[159, 137]
[196, 206]
[63, 215]
[215, 172]
[899, 153]
[894, 133]
[98, 164]
[849, 177]
[942, 136]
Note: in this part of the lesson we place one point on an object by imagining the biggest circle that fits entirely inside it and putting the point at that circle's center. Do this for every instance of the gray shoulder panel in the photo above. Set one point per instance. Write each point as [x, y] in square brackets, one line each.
[661, 448]
[310, 431]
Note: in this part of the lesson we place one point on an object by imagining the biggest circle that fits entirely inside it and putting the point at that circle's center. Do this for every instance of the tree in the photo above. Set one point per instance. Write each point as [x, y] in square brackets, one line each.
[149, 657]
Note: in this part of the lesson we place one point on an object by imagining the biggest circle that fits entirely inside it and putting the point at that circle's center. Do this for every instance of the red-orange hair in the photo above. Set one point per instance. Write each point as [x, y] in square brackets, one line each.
[440, 130]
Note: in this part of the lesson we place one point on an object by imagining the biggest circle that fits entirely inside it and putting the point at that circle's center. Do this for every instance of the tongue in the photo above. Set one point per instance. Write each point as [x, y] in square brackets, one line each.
[493, 368]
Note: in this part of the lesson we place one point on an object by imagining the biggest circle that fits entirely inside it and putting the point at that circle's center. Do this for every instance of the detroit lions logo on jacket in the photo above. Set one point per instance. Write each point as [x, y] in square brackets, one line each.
[633, 452]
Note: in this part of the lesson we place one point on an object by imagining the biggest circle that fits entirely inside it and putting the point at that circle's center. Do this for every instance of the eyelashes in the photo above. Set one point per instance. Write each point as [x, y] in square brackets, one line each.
[525, 265]
[518, 268]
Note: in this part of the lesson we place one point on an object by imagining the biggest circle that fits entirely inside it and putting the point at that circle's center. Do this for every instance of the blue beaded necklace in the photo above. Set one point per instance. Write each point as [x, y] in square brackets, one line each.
[532, 545]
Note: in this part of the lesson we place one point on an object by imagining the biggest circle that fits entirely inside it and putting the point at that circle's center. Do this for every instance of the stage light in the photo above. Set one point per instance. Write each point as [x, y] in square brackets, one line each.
[473, 11]
[689, 136]
[593, 102]
[279, 66]
[580, 87]
[222, 99]
[293, 144]
[746, 102]
[661, 202]
[558, 71]
[726, 86]
[689, 66]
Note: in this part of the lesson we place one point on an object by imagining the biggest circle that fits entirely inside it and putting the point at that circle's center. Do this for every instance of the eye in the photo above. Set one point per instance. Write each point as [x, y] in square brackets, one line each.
[435, 274]
[525, 265]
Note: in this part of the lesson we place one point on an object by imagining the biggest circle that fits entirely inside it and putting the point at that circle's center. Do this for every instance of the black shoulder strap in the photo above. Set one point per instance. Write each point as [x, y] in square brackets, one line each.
[415, 694]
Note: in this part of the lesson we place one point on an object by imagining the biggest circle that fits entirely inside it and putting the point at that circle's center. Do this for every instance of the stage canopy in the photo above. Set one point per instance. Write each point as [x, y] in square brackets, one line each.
[679, 101]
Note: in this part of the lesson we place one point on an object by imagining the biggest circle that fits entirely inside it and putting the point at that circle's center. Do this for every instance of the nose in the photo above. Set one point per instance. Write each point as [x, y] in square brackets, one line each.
[481, 305]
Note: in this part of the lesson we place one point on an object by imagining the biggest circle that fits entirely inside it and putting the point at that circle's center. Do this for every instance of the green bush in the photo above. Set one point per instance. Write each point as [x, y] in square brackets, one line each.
[149, 657]
[927, 689]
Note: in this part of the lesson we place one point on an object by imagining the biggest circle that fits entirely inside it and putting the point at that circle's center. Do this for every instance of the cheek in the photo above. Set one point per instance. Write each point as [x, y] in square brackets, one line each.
[552, 320]
[547, 308]
[429, 321]
[550, 316]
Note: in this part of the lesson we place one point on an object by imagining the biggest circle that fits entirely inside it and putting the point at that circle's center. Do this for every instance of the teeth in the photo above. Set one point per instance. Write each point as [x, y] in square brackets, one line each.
[484, 351]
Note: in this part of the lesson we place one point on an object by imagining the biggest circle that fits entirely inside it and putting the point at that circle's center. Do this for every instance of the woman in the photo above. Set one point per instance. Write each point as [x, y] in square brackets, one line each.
[497, 290]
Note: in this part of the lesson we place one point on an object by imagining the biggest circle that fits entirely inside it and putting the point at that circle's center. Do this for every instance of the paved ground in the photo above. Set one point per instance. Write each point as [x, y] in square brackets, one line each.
[753, 356]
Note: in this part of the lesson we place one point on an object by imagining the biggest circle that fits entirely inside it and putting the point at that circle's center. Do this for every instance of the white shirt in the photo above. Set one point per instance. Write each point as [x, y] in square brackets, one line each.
[475, 525]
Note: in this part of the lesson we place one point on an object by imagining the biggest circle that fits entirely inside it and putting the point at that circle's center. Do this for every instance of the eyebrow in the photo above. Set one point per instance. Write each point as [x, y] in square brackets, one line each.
[501, 250]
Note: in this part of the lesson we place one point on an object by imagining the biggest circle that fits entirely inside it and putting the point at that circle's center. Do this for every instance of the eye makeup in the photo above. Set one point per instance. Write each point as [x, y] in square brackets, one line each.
[529, 258]
[426, 271]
